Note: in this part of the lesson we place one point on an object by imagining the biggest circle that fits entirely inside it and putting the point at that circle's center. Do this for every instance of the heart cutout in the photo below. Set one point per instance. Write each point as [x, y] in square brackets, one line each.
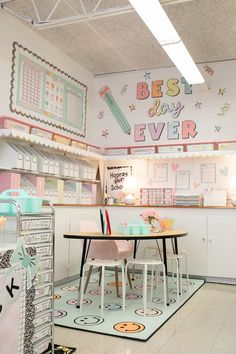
[196, 184]
[174, 166]
[224, 171]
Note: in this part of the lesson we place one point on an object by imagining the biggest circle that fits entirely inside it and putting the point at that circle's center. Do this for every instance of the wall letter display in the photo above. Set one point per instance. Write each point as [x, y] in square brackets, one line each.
[43, 93]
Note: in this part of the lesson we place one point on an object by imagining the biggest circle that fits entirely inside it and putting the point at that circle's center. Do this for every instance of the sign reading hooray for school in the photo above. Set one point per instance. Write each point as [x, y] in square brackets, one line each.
[159, 107]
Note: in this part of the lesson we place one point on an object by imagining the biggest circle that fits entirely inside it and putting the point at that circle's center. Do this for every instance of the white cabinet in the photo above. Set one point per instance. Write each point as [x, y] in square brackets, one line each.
[210, 243]
[221, 244]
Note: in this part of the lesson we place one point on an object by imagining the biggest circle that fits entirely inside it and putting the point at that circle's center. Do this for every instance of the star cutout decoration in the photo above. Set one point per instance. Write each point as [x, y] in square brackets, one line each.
[221, 91]
[100, 115]
[217, 128]
[132, 107]
[105, 133]
[123, 90]
[147, 75]
[198, 105]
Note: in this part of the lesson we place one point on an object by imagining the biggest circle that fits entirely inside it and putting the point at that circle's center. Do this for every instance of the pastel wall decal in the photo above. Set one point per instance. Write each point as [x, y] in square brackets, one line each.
[123, 90]
[221, 91]
[208, 70]
[224, 109]
[224, 171]
[174, 166]
[196, 184]
[198, 105]
[147, 75]
[218, 128]
[105, 133]
[100, 115]
[105, 93]
[132, 107]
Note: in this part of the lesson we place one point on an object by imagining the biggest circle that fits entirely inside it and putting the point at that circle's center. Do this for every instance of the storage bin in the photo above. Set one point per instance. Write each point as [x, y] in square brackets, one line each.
[145, 229]
[20, 196]
[135, 229]
[34, 204]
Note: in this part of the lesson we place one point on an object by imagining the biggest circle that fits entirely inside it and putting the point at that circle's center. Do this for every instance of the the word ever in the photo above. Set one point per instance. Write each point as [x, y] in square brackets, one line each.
[172, 130]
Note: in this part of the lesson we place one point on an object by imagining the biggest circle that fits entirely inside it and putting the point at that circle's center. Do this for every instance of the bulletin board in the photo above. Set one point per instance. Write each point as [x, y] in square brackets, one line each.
[43, 93]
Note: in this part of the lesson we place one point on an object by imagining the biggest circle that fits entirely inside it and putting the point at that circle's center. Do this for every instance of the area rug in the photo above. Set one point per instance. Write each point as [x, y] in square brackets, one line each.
[132, 323]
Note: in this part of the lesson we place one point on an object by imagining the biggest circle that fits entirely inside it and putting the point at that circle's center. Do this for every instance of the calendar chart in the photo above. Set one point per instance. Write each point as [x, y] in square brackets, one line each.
[42, 92]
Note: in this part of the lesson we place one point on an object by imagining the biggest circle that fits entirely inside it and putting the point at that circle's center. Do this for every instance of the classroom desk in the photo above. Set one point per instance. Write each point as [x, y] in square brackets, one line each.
[165, 235]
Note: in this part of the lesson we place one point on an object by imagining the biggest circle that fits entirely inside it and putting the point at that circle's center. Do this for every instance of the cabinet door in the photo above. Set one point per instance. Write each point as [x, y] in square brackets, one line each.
[75, 246]
[195, 243]
[61, 244]
[222, 245]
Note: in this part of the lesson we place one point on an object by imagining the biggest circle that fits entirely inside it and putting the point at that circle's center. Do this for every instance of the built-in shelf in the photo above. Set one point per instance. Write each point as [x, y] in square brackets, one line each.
[37, 140]
[85, 154]
[146, 206]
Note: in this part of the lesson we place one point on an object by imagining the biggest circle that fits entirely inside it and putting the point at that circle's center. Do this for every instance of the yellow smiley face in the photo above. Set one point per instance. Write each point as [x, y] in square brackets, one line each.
[129, 327]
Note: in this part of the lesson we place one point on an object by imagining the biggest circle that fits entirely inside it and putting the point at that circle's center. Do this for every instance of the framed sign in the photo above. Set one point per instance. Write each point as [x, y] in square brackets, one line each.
[43, 93]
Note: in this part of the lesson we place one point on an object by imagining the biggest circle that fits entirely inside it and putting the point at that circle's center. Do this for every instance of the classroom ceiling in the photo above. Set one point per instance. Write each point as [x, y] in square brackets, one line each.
[122, 42]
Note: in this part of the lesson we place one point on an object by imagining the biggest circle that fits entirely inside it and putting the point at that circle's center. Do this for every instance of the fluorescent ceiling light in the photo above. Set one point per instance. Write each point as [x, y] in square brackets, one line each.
[180, 56]
[154, 16]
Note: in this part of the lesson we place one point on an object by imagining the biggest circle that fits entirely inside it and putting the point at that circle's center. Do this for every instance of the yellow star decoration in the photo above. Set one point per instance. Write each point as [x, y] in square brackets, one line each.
[221, 91]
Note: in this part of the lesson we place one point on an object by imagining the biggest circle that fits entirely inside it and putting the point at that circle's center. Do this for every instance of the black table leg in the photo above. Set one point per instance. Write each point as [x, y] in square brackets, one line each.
[134, 256]
[166, 269]
[83, 259]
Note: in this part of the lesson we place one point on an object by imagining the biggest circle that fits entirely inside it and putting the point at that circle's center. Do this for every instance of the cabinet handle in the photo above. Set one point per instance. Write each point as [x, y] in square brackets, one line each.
[203, 239]
[210, 240]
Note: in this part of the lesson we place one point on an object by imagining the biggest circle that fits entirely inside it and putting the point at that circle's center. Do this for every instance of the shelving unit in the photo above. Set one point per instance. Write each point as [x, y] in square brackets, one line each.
[37, 232]
[45, 168]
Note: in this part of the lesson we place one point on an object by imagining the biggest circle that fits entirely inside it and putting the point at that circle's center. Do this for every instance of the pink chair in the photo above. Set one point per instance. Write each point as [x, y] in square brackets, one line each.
[106, 250]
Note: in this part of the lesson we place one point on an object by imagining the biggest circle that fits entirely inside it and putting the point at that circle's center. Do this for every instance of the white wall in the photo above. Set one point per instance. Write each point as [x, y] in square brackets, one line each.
[212, 110]
[12, 30]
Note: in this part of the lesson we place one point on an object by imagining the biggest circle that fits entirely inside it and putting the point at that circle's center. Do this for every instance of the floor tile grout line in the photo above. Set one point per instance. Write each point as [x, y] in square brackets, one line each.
[162, 347]
[226, 316]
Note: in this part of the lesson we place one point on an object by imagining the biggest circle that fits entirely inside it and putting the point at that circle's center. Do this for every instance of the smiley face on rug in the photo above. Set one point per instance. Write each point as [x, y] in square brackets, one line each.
[112, 307]
[149, 312]
[88, 320]
[129, 327]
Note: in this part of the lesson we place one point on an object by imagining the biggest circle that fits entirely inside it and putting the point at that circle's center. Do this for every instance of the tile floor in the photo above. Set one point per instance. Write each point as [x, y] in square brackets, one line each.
[206, 324]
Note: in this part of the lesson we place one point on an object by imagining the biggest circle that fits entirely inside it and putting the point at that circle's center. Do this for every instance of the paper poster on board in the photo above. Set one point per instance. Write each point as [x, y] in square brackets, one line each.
[115, 176]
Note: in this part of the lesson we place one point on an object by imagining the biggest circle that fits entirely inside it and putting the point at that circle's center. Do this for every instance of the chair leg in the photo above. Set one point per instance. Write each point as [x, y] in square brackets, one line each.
[152, 275]
[102, 290]
[164, 284]
[128, 275]
[145, 289]
[100, 275]
[80, 301]
[116, 280]
[123, 286]
[88, 278]
[177, 278]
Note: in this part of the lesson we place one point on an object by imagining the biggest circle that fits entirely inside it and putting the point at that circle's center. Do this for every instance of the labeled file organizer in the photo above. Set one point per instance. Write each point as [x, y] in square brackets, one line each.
[156, 196]
[37, 231]
[53, 169]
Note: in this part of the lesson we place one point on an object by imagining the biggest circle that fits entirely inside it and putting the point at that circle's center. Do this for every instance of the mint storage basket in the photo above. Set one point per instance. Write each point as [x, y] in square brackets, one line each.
[21, 198]
[34, 204]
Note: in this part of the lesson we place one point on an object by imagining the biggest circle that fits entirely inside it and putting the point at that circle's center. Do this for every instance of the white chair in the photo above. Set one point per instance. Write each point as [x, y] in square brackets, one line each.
[102, 263]
[154, 264]
[177, 263]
